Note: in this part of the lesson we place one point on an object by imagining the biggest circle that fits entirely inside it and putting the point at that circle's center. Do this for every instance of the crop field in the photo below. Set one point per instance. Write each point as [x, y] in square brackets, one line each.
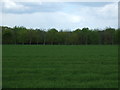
[60, 66]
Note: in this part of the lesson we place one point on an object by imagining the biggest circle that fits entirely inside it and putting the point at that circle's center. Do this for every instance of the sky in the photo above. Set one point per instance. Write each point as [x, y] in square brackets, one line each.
[59, 15]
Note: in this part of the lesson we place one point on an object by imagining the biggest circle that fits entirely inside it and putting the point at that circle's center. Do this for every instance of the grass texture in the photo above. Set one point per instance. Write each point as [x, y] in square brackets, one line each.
[60, 66]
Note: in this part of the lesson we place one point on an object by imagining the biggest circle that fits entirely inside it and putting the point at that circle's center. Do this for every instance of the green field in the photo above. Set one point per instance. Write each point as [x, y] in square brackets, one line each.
[60, 66]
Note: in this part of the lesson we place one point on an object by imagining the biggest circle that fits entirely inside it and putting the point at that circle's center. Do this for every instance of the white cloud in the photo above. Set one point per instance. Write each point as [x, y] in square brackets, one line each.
[66, 0]
[71, 18]
[11, 5]
[59, 20]
[109, 10]
[100, 17]
[92, 17]
[0, 18]
[76, 19]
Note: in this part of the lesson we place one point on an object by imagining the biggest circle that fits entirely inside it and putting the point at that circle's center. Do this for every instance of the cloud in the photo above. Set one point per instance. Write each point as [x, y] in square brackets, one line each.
[109, 10]
[63, 16]
[104, 16]
[11, 6]
[104, 13]
[76, 19]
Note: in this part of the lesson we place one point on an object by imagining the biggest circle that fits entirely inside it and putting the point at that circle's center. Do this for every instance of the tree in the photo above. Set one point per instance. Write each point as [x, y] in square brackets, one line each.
[84, 35]
[7, 35]
[52, 36]
[22, 35]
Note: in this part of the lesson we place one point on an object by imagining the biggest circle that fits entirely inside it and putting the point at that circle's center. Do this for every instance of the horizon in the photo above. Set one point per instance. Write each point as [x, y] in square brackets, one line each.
[43, 29]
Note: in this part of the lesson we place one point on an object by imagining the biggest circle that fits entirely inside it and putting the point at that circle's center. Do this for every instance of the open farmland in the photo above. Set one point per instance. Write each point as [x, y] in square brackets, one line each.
[60, 66]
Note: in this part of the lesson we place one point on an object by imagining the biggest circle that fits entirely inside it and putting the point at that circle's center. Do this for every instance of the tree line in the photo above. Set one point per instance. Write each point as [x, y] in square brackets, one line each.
[84, 36]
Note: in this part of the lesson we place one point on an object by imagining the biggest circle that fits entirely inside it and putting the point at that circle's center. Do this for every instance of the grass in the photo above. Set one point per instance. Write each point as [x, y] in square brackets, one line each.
[60, 66]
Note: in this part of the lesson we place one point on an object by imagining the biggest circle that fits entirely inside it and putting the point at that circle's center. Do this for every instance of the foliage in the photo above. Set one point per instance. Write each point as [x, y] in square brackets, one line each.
[84, 36]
